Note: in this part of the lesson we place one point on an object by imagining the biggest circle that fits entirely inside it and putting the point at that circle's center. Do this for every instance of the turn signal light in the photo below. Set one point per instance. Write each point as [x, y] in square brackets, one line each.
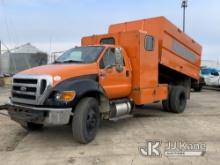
[65, 96]
[68, 95]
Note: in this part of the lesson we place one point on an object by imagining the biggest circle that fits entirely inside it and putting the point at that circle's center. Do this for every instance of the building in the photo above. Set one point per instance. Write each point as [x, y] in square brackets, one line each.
[211, 63]
[21, 58]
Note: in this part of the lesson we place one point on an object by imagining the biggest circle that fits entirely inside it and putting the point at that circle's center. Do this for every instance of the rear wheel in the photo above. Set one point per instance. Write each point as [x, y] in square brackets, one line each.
[198, 89]
[166, 105]
[176, 101]
[86, 120]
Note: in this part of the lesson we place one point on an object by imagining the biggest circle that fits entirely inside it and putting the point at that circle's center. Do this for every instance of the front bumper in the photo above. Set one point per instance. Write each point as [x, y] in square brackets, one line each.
[40, 115]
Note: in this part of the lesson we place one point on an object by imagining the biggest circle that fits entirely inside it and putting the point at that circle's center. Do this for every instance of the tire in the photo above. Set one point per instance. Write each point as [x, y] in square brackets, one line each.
[178, 99]
[198, 89]
[32, 126]
[86, 120]
[166, 105]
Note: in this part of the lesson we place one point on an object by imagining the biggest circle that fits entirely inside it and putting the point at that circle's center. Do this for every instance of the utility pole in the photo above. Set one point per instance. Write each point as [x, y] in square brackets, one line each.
[184, 6]
[218, 63]
[0, 47]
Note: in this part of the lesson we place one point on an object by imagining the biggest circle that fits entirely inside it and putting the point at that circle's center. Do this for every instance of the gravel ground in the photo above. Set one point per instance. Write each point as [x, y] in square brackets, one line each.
[118, 142]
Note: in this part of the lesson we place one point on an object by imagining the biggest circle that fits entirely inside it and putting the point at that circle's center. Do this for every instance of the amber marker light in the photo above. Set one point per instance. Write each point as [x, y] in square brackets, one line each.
[66, 96]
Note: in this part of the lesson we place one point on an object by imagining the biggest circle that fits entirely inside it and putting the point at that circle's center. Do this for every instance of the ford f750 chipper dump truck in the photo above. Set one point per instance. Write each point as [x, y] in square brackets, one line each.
[135, 63]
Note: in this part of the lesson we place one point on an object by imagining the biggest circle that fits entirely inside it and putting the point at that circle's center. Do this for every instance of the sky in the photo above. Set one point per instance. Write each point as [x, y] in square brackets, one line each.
[57, 25]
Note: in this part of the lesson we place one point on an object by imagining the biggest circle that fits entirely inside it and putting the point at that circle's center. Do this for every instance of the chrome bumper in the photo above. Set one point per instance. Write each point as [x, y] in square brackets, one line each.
[40, 115]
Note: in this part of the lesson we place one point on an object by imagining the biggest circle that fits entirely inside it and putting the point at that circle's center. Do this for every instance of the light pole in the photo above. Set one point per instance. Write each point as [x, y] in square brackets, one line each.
[0, 47]
[184, 6]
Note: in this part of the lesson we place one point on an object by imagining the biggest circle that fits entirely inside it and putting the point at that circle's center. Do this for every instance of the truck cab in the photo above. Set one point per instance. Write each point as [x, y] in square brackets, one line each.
[107, 76]
[47, 94]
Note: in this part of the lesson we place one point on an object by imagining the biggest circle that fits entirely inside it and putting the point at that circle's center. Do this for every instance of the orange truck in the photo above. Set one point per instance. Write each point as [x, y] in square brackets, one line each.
[135, 63]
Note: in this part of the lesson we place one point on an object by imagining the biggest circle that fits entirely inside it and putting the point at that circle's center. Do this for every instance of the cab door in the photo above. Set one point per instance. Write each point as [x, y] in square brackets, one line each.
[115, 73]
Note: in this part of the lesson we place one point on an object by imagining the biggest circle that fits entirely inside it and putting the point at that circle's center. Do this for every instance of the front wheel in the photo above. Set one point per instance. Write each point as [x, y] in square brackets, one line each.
[86, 120]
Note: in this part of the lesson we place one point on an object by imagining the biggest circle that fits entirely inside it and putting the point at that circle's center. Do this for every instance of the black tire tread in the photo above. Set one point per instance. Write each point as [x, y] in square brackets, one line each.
[78, 118]
[166, 105]
[198, 89]
[173, 96]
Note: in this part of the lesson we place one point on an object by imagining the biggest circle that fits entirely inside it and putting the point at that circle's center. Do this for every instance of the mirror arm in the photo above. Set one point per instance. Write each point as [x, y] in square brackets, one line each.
[109, 66]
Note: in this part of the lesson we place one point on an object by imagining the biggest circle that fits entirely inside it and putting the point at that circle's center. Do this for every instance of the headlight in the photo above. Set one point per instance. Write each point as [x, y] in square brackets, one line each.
[65, 96]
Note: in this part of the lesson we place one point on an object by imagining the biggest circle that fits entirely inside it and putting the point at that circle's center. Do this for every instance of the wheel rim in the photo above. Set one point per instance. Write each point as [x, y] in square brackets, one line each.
[91, 122]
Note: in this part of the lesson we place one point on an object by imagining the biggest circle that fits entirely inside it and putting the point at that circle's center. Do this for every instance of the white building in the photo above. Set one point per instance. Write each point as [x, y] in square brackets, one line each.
[21, 58]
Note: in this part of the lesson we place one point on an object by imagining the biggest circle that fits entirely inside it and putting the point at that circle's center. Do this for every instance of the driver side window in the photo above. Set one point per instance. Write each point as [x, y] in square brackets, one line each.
[108, 59]
[112, 57]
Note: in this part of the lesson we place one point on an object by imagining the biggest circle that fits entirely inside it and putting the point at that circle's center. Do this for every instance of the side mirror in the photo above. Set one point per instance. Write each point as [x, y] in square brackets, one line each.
[119, 60]
[119, 68]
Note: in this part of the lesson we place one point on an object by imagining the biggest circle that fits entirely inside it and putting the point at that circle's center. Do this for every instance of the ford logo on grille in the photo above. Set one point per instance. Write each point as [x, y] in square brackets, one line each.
[23, 89]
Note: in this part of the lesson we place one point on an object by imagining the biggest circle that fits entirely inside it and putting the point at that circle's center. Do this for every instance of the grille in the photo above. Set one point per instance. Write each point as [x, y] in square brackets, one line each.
[25, 88]
[29, 89]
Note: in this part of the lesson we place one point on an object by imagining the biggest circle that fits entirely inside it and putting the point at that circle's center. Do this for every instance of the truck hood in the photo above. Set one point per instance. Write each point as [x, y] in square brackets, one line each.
[61, 72]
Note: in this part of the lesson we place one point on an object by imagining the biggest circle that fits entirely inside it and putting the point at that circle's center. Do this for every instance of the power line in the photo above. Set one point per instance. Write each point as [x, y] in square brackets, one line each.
[12, 35]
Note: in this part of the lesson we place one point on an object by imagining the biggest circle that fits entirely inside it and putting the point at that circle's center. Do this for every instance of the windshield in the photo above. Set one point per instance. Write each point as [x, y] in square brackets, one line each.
[208, 71]
[80, 55]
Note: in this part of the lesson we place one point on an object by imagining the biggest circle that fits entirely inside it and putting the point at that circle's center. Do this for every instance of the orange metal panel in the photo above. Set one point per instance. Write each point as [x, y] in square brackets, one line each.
[179, 64]
[161, 92]
[148, 64]
[150, 95]
[169, 37]
[168, 44]
[129, 41]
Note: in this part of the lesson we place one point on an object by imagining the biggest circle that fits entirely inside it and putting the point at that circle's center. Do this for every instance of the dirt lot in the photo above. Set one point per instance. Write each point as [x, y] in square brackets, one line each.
[118, 142]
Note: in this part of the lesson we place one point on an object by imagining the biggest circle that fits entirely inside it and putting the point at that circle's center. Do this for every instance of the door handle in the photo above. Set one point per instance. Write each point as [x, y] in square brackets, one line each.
[102, 74]
[127, 73]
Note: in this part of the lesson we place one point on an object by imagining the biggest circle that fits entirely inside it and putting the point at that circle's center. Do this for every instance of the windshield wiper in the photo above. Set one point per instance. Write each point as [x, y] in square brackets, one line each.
[67, 61]
[57, 62]
[72, 61]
